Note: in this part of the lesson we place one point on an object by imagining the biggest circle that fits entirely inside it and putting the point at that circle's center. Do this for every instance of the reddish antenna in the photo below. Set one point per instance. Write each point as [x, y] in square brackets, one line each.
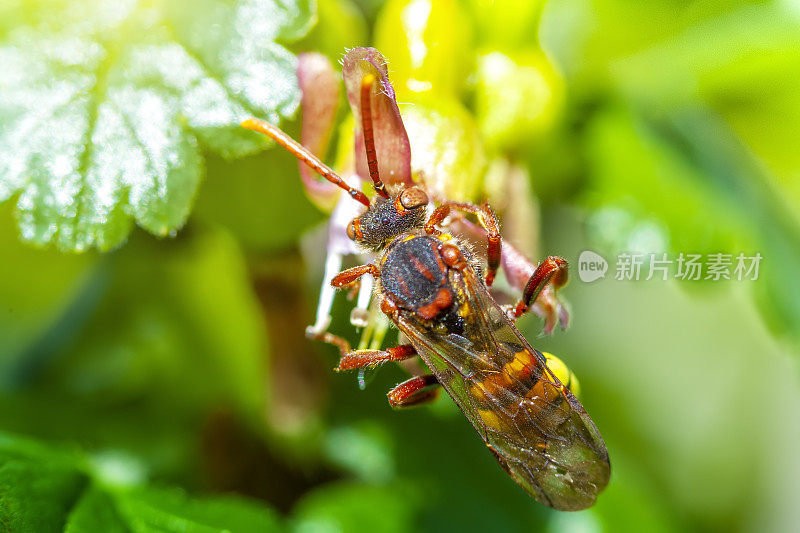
[369, 138]
[302, 153]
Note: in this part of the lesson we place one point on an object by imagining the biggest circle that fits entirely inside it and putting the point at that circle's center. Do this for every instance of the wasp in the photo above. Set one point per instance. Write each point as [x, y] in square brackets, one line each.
[434, 289]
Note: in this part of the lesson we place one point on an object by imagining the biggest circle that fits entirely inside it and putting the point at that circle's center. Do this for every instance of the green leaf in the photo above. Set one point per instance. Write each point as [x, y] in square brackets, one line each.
[37, 486]
[112, 432]
[146, 510]
[105, 107]
[95, 511]
[44, 489]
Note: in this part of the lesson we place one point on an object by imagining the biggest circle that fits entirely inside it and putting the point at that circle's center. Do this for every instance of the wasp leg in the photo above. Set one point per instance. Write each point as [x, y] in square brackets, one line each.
[487, 219]
[361, 358]
[330, 338]
[518, 270]
[552, 270]
[352, 275]
[342, 279]
[415, 391]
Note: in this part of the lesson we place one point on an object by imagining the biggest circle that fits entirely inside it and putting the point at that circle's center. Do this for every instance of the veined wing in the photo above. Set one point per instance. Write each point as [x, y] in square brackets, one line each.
[535, 426]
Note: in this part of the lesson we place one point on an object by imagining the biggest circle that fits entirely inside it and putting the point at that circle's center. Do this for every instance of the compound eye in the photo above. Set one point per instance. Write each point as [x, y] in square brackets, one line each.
[413, 197]
[351, 230]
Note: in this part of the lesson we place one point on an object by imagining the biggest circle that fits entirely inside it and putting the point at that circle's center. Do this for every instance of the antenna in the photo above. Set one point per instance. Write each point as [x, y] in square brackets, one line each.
[302, 153]
[369, 138]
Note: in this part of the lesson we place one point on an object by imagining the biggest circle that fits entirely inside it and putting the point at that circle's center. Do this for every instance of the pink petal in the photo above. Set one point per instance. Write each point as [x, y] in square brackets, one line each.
[391, 140]
[320, 99]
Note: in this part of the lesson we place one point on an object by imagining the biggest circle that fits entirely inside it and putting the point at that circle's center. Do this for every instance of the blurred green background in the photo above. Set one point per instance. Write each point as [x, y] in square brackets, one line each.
[154, 374]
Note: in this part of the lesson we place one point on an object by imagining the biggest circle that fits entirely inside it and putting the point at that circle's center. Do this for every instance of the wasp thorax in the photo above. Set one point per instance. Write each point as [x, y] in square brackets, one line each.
[388, 218]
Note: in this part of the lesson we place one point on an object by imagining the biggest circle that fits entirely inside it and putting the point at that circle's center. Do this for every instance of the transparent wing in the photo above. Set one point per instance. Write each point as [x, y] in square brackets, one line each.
[536, 428]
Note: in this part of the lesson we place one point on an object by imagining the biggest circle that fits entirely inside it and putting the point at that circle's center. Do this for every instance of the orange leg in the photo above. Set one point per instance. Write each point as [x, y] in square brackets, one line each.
[362, 358]
[487, 219]
[330, 338]
[342, 279]
[352, 275]
[415, 391]
[551, 270]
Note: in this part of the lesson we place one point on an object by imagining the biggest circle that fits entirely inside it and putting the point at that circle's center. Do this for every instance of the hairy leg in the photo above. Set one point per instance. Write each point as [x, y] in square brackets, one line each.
[415, 391]
[351, 275]
[552, 270]
[363, 358]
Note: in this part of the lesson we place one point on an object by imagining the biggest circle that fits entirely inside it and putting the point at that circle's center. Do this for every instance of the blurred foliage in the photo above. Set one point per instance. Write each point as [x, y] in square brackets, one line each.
[649, 126]
[105, 103]
[46, 489]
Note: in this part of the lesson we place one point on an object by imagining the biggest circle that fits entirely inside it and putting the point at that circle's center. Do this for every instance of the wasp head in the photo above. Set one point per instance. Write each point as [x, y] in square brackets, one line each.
[387, 218]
